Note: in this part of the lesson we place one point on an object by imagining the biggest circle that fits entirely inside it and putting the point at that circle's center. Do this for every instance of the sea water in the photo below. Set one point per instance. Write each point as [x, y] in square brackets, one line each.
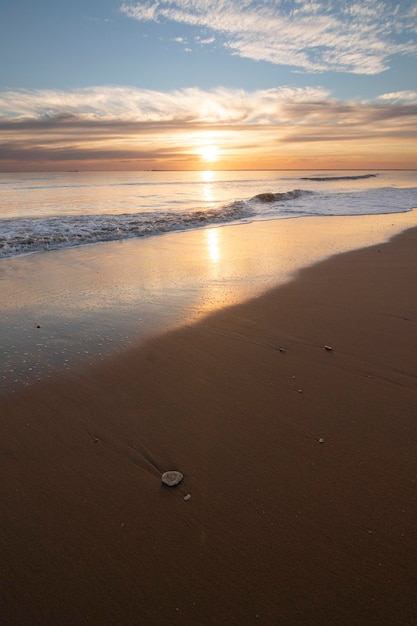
[85, 272]
[48, 211]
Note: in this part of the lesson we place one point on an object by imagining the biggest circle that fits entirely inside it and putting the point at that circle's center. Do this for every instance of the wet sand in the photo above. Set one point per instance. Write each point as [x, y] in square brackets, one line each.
[69, 307]
[300, 461]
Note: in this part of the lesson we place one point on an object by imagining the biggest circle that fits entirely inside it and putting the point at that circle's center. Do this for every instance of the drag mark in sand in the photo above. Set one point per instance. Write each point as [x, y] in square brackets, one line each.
[134, 453]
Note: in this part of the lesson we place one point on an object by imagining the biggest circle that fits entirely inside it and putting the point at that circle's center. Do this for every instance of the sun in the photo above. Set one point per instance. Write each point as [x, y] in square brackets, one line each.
[209, 153]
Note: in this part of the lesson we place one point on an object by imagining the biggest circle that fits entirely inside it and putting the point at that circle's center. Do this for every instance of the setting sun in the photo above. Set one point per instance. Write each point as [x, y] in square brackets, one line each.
[209, 153]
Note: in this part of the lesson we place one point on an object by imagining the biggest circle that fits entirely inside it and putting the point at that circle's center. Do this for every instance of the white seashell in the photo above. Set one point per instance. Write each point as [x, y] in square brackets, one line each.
[171, 478]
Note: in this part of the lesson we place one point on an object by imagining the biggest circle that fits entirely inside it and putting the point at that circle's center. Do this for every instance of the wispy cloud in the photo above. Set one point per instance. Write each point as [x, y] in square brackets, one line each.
[148, 128]
[357, 37]
[128, 104]
[400, 96]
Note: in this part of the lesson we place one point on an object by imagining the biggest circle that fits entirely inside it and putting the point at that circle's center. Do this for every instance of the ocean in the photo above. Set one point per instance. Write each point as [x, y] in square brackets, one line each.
[48, 211]
[94, 263]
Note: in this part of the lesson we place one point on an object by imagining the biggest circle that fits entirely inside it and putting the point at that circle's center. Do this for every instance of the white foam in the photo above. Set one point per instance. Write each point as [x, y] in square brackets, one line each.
[25, 234]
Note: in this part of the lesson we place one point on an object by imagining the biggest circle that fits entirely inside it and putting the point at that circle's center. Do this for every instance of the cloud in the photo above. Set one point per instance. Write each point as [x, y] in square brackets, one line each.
[359, 38]
[128, 104]
[145, 126]
[400, 96]
[205, 41]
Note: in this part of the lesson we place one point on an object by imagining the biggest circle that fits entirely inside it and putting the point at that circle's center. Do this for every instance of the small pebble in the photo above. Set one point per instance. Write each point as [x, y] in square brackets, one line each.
[171, 478]
[321, 440]
[187, 497]
[328, 348]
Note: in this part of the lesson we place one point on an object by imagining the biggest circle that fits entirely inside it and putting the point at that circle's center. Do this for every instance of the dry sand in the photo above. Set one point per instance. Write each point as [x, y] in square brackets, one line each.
[301, 464]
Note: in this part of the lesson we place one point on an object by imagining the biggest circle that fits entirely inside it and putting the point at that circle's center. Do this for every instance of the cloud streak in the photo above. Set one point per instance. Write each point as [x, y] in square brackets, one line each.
[128, 104]
[400, 96]
[115, 125]
[356, 37]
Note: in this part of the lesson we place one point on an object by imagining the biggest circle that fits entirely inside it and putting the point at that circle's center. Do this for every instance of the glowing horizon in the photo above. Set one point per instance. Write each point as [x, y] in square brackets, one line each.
[263, 85]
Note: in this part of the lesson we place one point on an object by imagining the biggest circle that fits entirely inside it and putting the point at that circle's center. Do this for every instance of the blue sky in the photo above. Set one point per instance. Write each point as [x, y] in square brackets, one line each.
[184, 73]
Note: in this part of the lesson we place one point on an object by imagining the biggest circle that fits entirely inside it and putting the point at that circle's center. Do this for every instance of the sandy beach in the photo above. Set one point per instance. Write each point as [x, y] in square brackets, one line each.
[293, 419]
[67, 308]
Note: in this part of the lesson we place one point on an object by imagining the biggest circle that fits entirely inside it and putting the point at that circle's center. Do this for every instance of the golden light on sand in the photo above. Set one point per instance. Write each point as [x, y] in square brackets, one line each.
[213, 248]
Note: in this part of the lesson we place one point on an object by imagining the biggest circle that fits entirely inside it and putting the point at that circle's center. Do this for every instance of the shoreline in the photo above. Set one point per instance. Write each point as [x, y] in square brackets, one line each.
[300, 462]
[65, 309]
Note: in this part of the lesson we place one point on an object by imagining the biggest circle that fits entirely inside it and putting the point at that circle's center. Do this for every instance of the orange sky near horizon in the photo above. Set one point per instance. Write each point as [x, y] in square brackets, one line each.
[215, 151]
[185, 85]
[221, 130]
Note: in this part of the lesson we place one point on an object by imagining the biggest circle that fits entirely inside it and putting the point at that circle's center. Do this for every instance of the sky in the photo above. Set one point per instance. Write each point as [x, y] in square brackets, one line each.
[207, 84]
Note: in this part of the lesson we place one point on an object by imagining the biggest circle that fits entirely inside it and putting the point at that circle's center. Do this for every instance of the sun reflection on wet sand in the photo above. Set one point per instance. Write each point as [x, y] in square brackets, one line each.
[61, 308]
[212, 241]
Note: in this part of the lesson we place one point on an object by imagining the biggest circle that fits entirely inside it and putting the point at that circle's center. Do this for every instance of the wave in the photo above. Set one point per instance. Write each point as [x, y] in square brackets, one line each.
[282, 196]
[335, 178]
[28, 235]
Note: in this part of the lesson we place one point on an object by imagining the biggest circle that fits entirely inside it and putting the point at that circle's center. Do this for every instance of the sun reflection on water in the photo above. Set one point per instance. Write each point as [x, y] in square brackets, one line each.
[207, 179]
[207, 176]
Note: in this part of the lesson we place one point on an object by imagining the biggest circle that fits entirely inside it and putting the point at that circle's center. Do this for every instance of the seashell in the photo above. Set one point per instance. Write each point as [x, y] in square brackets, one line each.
[171, 478]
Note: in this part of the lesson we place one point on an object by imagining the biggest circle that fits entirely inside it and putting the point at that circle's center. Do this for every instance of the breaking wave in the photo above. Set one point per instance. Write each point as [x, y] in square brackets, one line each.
[282, 196]
[323, 179]
[30, 235]
[27, 235]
